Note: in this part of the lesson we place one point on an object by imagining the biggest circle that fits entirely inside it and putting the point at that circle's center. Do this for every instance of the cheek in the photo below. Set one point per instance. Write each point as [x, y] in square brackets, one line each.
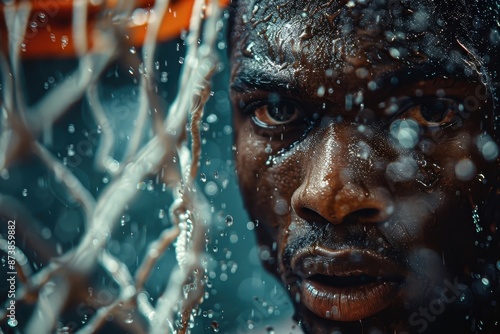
[457, 159]
[267, 180]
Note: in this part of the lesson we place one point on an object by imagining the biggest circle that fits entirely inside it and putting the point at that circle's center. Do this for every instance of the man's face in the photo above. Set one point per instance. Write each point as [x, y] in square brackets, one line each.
[362, 150]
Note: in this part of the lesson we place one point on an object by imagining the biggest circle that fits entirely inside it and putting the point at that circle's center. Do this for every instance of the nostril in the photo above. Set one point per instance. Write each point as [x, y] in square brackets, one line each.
[367, 215]
[344, 205]
[310, 215]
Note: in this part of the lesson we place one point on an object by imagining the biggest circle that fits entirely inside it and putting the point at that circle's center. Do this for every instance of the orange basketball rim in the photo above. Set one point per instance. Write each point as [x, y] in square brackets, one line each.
[49, 29]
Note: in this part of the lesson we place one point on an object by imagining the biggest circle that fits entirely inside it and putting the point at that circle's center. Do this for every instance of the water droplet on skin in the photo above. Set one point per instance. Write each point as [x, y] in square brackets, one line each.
[25, 192]
[248, 51]
[488, 147]
[129, 319]
[270, 330]
[372, 85]
[321, 91]
[476, 220]
[306, 33]
[203, 177]
[465, 170]
[348, 102]
[42, 17]
[71, 128]
[394, 53]
[406, 132]
[481, 178]
[64, 41]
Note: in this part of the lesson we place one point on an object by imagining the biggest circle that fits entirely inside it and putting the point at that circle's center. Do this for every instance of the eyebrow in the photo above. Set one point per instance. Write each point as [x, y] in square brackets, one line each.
[251, 79]
[423, 72]
[258, 79]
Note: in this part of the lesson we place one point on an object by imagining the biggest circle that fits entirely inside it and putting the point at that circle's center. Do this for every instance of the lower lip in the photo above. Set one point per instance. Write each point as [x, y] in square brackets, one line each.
[348, 304]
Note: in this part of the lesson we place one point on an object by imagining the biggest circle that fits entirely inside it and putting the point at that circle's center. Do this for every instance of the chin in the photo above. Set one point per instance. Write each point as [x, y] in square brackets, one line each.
[379, 309]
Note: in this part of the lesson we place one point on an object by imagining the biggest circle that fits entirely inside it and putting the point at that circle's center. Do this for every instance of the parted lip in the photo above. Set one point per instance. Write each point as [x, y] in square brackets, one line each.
[316, 260]
[347, 284]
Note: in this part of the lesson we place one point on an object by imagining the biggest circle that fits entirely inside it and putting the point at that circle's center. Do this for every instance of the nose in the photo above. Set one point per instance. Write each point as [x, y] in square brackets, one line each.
[340, 186]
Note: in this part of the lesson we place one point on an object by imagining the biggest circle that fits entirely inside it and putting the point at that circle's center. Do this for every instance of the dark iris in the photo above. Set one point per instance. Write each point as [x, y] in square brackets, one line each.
[281, 111]
[436, 111]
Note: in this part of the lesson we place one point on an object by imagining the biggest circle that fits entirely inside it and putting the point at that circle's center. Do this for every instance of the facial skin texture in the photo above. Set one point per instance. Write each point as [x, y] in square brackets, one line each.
[360, 154]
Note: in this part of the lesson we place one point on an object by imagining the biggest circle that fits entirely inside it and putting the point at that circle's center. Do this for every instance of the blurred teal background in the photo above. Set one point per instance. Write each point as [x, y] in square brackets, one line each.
[240, 296]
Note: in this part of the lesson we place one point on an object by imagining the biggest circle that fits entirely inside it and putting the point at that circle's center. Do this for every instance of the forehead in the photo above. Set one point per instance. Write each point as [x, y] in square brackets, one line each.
[298, 40]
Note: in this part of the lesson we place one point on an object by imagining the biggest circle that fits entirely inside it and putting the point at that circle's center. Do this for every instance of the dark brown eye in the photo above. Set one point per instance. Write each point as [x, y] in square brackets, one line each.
[276, 113]
[432, 113]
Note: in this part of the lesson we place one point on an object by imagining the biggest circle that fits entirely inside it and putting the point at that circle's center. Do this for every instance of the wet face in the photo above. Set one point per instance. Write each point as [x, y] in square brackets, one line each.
[364, 151]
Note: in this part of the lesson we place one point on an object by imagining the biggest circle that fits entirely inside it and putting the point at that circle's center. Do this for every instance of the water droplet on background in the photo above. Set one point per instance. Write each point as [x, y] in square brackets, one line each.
[270, 330]
[229, 220]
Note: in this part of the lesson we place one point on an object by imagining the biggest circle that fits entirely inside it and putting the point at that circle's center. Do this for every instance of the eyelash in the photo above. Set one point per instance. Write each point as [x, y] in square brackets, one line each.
[452, 109]
[421, 110]
[293, 130]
